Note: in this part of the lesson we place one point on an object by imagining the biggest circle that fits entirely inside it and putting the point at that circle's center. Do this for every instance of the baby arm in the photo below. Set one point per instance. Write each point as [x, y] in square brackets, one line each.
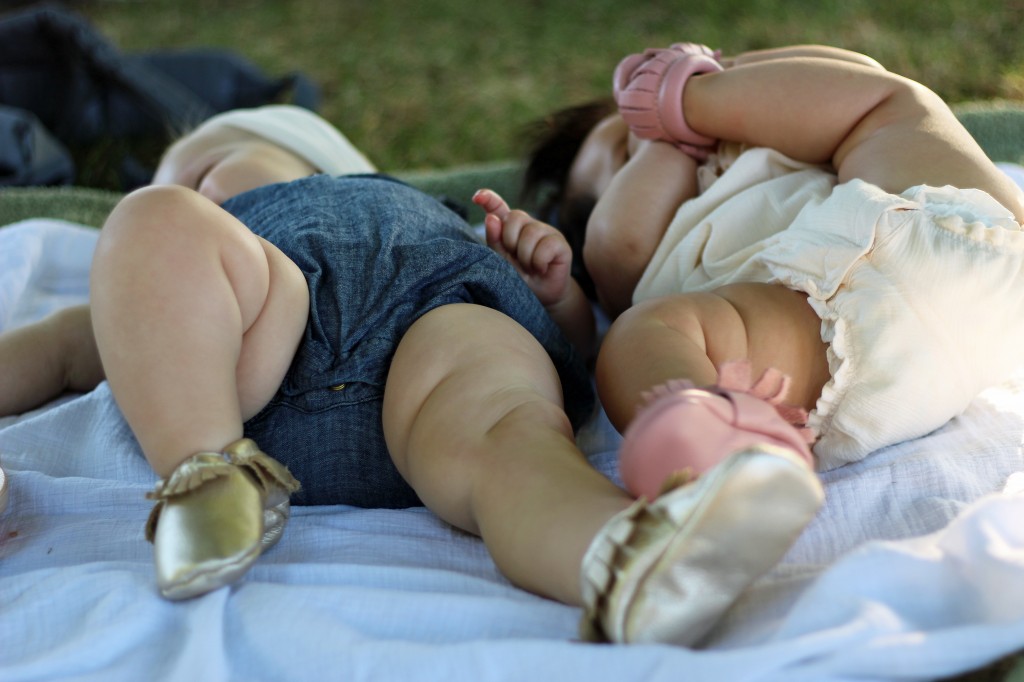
[40, 361]
[542, 257]
[631, 217]
[634, 211]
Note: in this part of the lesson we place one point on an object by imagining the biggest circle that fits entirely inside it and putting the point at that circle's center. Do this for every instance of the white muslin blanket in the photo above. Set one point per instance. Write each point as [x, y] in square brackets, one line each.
[914, 569]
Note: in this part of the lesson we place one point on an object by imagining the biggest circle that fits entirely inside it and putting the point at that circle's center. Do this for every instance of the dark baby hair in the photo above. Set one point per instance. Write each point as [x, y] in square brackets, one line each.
[554, 142]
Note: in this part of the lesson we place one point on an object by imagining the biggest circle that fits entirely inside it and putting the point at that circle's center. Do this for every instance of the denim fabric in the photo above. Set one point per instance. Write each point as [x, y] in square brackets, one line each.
[377, 255]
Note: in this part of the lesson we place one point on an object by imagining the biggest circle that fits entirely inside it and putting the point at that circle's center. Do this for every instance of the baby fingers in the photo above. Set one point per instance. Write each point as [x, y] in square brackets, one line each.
[491, 202]
[538, 246]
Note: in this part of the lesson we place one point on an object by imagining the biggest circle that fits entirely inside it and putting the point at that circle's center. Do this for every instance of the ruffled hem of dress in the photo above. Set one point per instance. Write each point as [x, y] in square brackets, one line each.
[842, 369]
[971, 213]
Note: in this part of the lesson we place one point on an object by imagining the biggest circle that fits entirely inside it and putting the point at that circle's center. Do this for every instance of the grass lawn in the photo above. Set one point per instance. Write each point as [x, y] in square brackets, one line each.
[434, 83]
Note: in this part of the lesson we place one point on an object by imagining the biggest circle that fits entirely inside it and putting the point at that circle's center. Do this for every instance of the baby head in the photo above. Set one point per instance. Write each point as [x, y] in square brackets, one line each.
[575, 153]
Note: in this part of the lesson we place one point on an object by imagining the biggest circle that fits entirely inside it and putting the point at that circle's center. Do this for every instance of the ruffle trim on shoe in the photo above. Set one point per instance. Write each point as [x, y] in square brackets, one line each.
[667, 570]
[270, 476]
[602, 564]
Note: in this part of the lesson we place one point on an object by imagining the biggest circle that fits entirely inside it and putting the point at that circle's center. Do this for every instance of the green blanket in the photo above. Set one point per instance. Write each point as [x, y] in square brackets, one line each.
[998, 127]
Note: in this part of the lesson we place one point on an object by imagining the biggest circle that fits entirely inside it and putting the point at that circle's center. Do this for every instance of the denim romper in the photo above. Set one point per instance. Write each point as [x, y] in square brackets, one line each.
[377, 255]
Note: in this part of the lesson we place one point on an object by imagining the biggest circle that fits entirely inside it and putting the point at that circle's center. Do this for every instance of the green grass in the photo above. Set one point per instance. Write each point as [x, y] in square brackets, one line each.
[434, 83]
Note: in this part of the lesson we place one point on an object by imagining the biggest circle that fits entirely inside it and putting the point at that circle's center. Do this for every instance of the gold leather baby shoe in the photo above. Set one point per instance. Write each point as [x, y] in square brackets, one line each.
[214, 515]
[4, 491]
[666, 571]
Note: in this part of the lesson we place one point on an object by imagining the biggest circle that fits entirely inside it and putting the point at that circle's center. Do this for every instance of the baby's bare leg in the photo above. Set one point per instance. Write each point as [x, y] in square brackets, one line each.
[687, 336]
[474, 421]
[196, 320]
[790, 51]
[40, 361]
[868, 123]
[473, 418]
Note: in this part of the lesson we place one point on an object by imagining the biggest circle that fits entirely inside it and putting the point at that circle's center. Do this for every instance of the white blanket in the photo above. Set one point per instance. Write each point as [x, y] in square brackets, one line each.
[913, 570]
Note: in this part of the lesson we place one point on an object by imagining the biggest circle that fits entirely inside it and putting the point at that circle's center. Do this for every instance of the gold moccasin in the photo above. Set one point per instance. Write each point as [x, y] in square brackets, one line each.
[4, 491]
[666, 571]
[214, 515]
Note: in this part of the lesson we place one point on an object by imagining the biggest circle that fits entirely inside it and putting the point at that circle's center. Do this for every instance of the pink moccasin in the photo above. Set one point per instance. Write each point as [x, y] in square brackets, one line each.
[648, 89]
[685, 431]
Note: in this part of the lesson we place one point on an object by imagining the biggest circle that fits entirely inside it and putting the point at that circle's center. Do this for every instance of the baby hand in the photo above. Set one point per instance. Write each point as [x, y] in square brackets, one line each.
[538, 251]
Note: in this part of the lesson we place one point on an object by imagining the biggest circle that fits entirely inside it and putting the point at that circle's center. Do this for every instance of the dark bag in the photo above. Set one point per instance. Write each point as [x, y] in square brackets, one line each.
[87, 94]
[29, 154]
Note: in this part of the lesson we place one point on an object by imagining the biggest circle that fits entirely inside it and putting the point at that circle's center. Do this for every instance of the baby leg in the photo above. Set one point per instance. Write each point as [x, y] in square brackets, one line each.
[791, 51]
[474, 421]
[729, 448]
[680, 417]
[868, 123]
[40, 361]
[690, 335]
[196, 321]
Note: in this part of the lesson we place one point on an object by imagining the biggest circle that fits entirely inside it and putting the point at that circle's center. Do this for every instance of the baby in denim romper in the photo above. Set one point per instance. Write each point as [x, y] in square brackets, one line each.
[272, 289]
[377, 255]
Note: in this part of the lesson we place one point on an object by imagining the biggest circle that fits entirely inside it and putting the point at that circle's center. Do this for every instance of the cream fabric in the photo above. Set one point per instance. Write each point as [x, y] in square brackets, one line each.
[302, 132]
[921, 295]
